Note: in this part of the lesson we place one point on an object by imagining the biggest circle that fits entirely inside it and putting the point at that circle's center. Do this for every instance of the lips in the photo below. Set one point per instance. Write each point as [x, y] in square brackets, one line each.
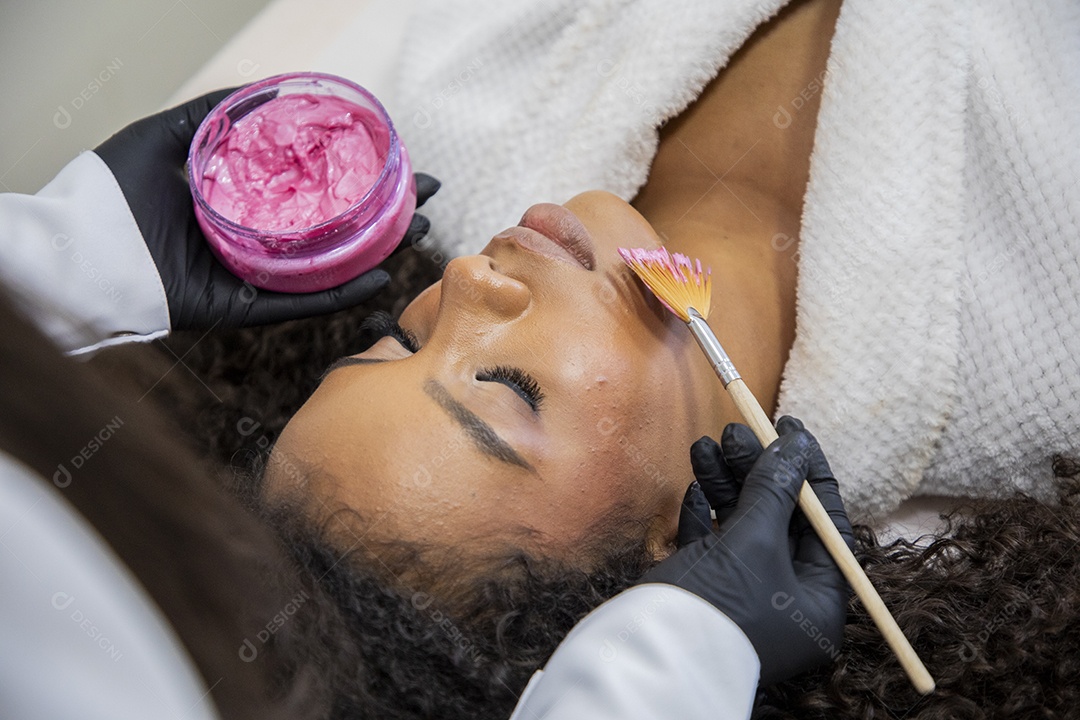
[559, 227]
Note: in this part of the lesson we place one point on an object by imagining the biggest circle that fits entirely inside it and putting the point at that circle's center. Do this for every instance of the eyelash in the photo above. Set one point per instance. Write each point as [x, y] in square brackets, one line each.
[517, 380]
[381, 324]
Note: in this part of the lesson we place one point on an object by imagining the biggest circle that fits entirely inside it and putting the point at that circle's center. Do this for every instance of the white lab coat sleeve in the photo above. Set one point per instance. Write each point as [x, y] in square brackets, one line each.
[654, 651]
[80, 638]
[75, 262]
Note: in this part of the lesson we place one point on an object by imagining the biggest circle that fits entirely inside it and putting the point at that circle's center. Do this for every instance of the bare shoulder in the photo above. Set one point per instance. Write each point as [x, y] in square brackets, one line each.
[728, 181]
[754, 124]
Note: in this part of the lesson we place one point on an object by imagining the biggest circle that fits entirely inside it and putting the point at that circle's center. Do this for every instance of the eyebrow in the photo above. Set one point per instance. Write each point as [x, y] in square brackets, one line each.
[482, 434]
[345, 362]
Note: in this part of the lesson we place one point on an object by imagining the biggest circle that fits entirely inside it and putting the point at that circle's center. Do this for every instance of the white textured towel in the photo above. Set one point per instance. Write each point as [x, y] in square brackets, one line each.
[937, 347]
[938, 337]
[514, 103]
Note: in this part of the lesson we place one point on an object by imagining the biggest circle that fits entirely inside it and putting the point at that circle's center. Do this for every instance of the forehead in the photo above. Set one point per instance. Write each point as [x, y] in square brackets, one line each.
[395, 410]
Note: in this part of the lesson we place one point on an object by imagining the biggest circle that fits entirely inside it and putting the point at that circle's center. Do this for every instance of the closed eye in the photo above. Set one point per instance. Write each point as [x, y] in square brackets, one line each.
[380, 324]
[518, 380]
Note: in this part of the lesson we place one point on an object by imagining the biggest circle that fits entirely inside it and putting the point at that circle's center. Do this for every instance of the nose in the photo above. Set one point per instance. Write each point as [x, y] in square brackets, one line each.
[473, 283]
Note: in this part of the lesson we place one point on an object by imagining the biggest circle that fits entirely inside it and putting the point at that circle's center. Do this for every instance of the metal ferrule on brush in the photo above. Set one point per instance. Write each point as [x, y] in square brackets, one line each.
[721, 363]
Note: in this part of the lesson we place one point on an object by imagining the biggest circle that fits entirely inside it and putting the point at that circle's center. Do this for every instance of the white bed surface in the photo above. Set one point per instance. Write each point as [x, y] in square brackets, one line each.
[357, 39]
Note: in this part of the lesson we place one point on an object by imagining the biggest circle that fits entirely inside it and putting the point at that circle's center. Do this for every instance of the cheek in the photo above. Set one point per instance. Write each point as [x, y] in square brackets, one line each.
[606, 458]
[631, 434]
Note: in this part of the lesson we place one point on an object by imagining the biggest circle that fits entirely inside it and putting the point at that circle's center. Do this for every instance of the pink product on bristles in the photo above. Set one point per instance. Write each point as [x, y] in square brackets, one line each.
[678, 264]
[677, 281]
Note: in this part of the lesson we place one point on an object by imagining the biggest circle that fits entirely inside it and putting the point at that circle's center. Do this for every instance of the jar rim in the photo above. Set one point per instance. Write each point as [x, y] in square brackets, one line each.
[252, 89]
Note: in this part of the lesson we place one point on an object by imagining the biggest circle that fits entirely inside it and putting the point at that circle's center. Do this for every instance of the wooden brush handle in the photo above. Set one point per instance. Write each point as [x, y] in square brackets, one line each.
[762, 426]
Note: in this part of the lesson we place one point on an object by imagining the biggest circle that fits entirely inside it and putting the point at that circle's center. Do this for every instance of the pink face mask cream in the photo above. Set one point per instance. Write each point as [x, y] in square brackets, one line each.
[300, 182]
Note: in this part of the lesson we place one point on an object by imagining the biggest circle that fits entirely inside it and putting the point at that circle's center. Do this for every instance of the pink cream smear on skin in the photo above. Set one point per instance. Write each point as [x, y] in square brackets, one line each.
[295, 162]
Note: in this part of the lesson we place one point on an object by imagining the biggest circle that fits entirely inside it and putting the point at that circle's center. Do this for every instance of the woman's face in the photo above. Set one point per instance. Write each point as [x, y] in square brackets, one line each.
[548, 392]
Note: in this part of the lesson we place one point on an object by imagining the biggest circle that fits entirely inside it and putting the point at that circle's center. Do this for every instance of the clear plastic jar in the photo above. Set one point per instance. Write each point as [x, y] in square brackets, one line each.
[300, 182]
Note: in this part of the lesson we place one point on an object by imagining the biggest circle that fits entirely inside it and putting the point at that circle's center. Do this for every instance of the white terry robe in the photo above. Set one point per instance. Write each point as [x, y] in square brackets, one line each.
[937, 333]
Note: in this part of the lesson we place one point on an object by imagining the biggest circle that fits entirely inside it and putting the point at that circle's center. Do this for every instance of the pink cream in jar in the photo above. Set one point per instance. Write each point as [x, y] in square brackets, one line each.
[300, 182]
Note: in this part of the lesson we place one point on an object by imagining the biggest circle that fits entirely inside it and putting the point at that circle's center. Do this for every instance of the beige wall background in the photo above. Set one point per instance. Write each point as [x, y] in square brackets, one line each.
[74, 72]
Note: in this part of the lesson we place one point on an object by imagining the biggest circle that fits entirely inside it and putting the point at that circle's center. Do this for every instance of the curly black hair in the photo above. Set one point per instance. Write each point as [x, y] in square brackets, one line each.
[991, 606]
[386, 650]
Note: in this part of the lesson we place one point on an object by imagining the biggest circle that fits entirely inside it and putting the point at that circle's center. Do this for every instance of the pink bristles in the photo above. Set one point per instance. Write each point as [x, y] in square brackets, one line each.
[678, 281]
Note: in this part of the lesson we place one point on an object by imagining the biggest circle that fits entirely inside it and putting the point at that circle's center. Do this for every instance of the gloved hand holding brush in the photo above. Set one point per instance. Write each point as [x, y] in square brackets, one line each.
[764, 568]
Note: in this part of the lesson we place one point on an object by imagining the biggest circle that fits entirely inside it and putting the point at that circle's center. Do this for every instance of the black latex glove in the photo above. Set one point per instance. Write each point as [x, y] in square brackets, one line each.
[147, 158]
[765, 567]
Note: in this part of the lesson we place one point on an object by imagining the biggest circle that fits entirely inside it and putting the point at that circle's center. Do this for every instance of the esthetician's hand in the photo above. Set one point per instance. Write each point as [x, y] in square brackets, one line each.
[147, 158]
[764, 569]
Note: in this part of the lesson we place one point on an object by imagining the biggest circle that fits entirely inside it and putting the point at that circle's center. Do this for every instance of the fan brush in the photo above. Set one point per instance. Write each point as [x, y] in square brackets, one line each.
[685, 288]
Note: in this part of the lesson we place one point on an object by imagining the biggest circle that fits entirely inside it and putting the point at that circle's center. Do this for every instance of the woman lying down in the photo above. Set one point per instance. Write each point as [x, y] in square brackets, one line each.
[464, 423]
[512, 450]
[879, 286]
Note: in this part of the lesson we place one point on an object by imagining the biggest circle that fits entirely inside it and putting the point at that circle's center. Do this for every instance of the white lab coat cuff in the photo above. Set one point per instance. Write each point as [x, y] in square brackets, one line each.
[74, 260]
[654, 651]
